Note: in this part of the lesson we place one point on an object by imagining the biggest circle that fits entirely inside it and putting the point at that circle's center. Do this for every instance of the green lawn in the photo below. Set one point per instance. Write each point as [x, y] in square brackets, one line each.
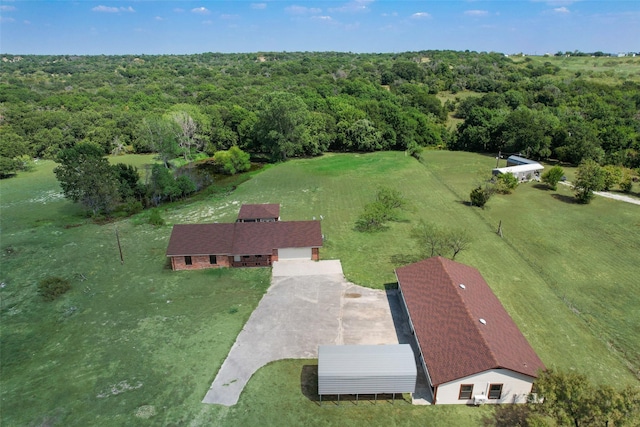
[137, 344]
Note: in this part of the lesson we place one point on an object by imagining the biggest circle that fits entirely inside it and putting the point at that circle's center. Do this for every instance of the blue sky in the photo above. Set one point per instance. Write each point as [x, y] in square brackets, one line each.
[177, 27]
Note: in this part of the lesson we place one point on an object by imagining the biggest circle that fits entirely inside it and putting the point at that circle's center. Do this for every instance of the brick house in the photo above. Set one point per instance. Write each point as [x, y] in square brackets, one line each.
[470, 348]
[257, 242]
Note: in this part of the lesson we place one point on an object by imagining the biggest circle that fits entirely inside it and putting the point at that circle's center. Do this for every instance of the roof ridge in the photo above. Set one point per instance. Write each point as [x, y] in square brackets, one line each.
[476, 324]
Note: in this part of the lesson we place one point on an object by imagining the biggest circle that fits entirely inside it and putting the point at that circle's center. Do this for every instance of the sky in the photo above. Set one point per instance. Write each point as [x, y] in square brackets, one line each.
[87, 27]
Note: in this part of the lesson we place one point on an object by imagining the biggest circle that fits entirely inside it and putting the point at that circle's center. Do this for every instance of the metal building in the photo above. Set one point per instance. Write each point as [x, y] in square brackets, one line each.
[366, 369]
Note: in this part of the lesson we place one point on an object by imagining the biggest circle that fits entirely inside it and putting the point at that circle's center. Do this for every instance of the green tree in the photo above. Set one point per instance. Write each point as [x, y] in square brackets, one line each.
[612, 176]
[589, 178]
[480, 196]
[626, 183]
[87, 177]
[282, 125]
[430, 238]
[377, 213]
[553, 176]
[506, 183]
[232, 161]
[159, 135]
[8, 167]
[373, 218]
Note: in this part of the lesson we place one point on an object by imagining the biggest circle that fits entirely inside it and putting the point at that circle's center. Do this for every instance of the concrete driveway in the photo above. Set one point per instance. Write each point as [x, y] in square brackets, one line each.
[308, 304]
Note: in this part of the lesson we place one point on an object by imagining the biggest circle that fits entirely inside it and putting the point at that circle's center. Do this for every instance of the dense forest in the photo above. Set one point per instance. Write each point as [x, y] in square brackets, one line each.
[280, 105]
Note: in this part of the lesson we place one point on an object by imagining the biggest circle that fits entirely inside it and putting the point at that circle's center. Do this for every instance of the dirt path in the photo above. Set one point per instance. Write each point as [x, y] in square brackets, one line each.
[608, 195]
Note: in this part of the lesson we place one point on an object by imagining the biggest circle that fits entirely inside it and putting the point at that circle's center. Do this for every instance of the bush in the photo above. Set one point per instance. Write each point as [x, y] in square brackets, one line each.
[52, 287]
[155, 218]
[552, 177]
[506, 183]
[480, 196]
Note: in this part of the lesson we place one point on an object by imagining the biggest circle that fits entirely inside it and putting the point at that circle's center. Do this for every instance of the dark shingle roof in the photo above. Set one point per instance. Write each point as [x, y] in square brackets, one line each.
[446, 319]
[243, 238]
[265, 210]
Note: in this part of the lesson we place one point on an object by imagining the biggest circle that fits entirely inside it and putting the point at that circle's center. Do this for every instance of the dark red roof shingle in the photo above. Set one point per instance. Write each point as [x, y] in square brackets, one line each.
[264, 210]
[243, 238]
[446, 319]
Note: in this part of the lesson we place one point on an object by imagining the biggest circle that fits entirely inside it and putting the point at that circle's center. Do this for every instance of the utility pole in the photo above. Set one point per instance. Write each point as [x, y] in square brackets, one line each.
[119, 246]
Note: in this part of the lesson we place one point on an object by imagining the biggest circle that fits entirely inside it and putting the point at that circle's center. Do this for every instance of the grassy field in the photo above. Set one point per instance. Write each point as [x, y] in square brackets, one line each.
[137, 344]
[605, 69]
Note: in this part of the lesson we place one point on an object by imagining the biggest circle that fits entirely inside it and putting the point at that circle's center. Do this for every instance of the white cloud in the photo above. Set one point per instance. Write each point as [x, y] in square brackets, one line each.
[476, 12]
[390, 14]
[323, 18]
[557, 2]
[561, 10]
[302, 10]
[159, 18]
[108, 9]
[178, 10]
[5, 8]
[200, 10]
[25, 22]
[258, 5]
[207, 22]
[420, 15]
[7, 20]
[227, 16]
[354, 6]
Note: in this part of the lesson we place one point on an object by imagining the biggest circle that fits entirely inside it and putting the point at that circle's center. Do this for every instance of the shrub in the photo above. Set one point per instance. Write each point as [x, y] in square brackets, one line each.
[155, 218]
[506, 183]
[52, 287]
[480, 196]
[552, 177]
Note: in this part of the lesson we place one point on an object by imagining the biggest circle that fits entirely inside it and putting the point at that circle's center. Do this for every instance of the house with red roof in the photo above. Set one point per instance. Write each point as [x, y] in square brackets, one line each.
[470, 349]
[256, 239]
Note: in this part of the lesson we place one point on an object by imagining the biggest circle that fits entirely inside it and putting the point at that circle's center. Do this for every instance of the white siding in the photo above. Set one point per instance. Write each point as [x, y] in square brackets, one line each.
[294, 253]
[515, 387]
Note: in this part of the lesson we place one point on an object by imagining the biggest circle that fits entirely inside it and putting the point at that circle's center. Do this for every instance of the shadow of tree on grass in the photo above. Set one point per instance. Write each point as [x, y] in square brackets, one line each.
[566, 199]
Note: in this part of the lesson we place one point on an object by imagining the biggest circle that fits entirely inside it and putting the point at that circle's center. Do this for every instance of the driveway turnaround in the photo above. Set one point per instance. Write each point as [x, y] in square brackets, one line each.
[309, 303]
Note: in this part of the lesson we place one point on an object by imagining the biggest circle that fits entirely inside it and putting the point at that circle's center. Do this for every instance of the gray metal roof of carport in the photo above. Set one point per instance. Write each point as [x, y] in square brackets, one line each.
[366, 369]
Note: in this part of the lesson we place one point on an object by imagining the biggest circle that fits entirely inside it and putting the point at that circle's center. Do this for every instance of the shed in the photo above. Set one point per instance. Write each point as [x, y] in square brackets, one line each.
[366, 369]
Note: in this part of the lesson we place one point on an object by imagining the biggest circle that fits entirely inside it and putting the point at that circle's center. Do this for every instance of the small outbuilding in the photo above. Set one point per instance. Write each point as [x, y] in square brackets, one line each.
[366, 369]
[527, 172]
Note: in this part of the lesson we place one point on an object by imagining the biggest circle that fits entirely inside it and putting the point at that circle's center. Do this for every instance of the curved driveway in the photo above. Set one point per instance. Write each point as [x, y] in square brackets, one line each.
[308, 304]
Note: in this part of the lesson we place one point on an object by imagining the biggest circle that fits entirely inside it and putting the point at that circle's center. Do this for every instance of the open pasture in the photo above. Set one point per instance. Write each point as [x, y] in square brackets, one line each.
[137, 344]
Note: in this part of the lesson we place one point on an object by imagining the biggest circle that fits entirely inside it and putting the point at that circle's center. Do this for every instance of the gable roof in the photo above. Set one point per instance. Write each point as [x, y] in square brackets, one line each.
[243, 238]
[446, 317]
[265, 210]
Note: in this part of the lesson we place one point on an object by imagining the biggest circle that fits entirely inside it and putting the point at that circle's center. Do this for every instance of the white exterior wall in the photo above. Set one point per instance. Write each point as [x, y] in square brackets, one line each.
[513, 383]
[294, 253]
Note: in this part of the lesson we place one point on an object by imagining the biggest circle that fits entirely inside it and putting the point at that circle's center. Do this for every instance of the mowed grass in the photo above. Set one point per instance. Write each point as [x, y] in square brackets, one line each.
[138, 344]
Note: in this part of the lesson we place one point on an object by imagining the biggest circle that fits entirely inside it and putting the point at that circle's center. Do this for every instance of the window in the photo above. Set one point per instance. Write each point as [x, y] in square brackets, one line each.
[187, 260]
[213, 259]
[466, 391]
[495, 391]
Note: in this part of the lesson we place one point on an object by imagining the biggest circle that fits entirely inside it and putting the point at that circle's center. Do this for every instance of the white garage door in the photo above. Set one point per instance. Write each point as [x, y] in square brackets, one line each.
[294, 253]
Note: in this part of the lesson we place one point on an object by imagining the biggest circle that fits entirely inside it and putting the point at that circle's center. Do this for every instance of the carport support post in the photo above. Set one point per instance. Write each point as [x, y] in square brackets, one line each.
[356, 398]
[375, 398]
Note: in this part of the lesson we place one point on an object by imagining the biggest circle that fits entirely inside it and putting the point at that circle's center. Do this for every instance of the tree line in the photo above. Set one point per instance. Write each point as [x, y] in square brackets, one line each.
[281, 105]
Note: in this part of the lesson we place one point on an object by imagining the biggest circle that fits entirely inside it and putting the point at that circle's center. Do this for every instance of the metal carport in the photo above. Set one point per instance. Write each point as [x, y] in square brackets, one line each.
[366, 369]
